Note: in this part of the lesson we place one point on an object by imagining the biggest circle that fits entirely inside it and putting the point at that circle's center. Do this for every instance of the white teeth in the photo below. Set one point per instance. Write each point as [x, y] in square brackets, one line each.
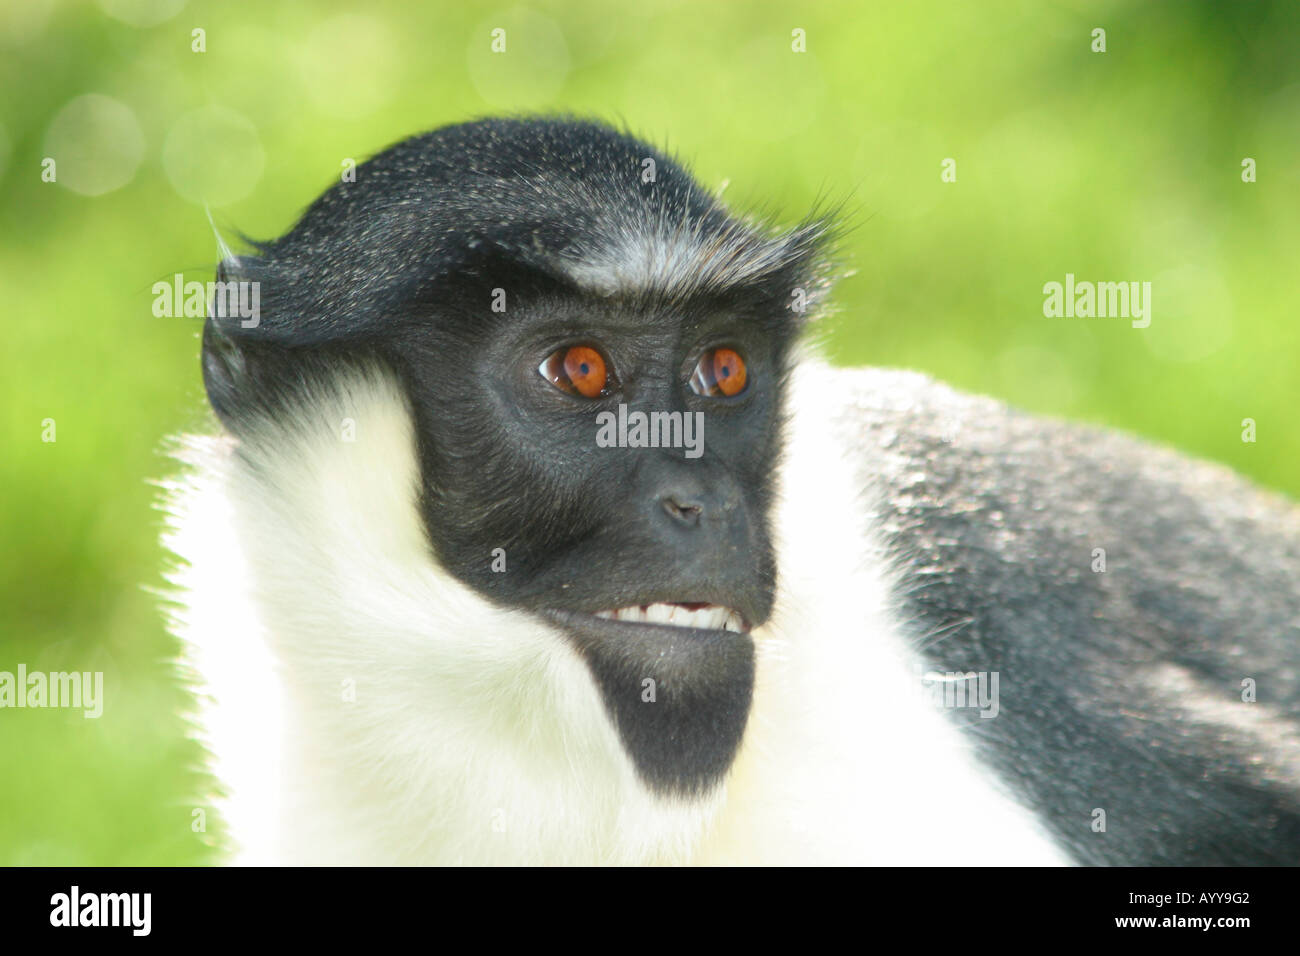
[710, 617]
[660, 613]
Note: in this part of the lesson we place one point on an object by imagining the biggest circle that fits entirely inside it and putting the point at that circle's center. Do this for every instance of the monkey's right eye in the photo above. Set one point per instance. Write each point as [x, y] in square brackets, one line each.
[578, 370]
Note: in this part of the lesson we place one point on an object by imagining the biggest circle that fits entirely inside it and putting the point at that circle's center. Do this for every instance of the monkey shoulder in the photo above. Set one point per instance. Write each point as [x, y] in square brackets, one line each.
[1141, 607]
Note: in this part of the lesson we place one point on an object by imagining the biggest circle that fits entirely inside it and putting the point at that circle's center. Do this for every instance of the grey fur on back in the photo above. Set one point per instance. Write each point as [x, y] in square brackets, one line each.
[1122, 689]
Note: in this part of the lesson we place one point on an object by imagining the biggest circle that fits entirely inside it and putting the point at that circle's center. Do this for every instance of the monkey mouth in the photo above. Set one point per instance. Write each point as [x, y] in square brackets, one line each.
[677, 679]
[705, 617]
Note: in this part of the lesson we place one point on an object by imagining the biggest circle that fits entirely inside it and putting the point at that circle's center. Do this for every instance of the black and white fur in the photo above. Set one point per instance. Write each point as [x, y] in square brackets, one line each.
[373, 692]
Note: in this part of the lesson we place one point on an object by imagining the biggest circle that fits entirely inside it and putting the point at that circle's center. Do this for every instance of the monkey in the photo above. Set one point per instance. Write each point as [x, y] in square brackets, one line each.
[434, 620]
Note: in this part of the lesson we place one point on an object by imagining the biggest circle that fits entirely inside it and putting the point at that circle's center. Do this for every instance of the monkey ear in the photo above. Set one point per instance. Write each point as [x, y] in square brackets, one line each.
[228, 371]
[238, 297]
[237, 293]
[242, 363]
[268, 340]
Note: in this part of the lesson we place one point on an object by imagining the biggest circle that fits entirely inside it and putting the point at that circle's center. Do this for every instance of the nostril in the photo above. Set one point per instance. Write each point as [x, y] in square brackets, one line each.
[687, 512]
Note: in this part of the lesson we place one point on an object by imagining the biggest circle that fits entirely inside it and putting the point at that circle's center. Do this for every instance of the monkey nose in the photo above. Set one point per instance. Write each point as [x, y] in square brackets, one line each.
[683, 509]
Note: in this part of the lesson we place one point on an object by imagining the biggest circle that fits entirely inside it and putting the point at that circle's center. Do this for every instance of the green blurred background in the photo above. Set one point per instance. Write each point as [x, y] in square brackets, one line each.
[1123, 165]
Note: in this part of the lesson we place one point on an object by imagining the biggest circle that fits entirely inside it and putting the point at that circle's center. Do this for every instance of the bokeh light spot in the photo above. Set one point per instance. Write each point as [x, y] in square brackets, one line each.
[96, 143]
[213, 155]
[1191, 311]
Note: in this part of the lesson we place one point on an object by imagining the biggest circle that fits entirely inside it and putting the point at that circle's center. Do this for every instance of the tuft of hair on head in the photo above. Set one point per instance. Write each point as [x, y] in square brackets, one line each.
[224, 254]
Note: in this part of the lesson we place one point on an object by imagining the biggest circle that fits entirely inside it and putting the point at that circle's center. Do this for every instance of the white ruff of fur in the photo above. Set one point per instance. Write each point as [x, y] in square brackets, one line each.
[363, 706]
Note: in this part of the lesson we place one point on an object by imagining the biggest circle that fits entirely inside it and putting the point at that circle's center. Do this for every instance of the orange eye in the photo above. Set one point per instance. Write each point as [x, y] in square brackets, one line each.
[578, 370]
[719, 372]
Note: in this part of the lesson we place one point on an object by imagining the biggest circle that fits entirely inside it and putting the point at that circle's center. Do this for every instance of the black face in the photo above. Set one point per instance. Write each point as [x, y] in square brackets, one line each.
[463, 261]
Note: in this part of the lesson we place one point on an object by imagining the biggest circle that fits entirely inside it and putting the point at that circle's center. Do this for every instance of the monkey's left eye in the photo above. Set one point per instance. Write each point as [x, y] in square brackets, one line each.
[578, 370]
[720, 371]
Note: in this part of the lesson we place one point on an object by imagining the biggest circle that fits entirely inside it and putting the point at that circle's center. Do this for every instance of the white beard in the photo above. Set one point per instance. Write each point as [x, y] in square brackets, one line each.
[363, 706]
